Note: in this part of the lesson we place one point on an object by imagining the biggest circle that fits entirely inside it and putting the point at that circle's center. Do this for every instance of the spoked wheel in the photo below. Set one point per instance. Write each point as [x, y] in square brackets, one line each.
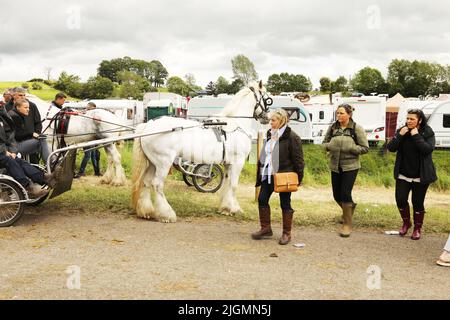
[188, 180]
[10, 212]
[210, 184]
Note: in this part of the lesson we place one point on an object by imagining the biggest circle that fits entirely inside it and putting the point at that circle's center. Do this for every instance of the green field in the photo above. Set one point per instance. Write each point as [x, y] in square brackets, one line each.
[47, 93]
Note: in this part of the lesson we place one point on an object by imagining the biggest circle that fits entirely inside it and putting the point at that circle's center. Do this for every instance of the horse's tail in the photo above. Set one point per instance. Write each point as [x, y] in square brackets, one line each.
[140, 166]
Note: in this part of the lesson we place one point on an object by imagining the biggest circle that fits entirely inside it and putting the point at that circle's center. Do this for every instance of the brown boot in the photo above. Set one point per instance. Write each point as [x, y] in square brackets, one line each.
[287, 226]
[35, 191]
[264, 219]
[347, 213]
[341, 221]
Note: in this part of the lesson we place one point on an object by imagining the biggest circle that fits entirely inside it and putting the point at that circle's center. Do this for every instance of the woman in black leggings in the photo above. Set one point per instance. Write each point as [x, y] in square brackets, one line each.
[344, 142]
[414, 169]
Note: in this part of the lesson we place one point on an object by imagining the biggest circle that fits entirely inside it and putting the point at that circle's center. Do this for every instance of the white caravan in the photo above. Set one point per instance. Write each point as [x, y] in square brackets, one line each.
[207, 106]
[130, 111]
[439, 121]
[423, 105]
[370, 113]
[179, 102]
[321, 116]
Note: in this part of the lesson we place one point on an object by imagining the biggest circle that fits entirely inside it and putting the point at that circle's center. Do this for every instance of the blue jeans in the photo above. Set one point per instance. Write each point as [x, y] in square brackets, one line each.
[31, 146]
[94, 156]
[20, 169]
[267, 190]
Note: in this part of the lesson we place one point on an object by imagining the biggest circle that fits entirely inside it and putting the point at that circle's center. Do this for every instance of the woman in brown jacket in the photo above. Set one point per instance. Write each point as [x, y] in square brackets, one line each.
[282, 152]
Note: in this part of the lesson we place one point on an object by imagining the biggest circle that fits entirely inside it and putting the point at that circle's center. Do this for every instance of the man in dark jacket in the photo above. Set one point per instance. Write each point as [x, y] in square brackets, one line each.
[17, 168]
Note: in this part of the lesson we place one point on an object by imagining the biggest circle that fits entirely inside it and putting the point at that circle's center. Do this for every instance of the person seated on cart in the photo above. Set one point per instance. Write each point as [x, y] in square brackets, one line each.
[28, 140]
[17, 168]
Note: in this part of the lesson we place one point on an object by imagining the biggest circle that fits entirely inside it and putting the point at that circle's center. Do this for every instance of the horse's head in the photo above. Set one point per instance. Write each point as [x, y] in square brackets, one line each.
[263, 102]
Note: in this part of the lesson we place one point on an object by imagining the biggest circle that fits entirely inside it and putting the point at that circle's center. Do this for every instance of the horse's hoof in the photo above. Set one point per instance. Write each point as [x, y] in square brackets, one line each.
[236, 211]
[168, 220]
[226, 211]
[144, 216]
[117, 183]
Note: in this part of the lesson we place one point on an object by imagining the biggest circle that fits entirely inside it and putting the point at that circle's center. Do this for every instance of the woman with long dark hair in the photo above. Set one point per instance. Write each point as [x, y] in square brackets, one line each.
[414, 169]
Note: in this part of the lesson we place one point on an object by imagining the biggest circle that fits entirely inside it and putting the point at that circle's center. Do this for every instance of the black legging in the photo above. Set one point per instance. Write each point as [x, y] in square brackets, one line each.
[342, 183]
[402, 189]
[267, 190]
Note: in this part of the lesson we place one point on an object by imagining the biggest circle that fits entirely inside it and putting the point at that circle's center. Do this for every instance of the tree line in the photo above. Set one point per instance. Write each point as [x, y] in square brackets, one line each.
[127, 77]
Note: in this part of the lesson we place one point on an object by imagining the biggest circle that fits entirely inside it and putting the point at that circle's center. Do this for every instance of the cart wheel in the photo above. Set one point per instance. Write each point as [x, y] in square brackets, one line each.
[211, 184]
[10, 213]
[188, 180]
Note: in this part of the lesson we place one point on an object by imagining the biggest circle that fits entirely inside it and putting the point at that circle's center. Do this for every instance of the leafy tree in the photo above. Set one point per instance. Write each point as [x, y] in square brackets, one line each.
[178, 86]
[158, 73]
[243, 69]
[132, 85]
[211, 88]
[153, 71]
[325, 84]
[274, 84]
[66, 80]
[398, 71]
[235, 86]
[285, 82]
[368, 80]
[222, 85]
[98, 88]
[190, 82]
[340, 85]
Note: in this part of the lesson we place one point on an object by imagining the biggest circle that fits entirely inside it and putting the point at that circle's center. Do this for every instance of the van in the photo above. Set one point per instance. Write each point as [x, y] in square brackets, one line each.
[370, 113]
[208, 106]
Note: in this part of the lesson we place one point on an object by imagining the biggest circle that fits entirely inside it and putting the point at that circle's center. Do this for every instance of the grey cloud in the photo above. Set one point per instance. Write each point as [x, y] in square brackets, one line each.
[207, 33]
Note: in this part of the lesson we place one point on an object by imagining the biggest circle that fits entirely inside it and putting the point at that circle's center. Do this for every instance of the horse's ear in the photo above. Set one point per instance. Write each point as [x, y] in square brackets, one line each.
[260, 84]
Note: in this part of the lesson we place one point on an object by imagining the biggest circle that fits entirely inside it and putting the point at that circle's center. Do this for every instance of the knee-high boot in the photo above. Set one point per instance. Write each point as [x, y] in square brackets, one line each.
[264, 219]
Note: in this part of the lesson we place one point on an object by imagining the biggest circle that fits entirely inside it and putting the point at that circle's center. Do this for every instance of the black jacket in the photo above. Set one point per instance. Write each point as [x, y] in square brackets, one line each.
[425, 142]
[7, 141]
[288, 150]
[23, 130]
[25, 126]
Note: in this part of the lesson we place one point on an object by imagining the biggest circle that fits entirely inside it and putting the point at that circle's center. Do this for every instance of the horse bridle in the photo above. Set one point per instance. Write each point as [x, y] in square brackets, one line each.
[263, 102]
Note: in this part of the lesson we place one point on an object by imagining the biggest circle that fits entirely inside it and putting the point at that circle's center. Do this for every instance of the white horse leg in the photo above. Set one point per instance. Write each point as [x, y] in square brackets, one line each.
[120, 178]
[109, 173]
[144, 208]
[234, 177]
[226, 197]
[163, 210]
[118, 173]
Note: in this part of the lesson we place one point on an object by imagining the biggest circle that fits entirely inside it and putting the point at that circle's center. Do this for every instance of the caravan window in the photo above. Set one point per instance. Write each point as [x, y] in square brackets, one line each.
[295, 114]
[130, 114]
[321, 115]
[446, 121]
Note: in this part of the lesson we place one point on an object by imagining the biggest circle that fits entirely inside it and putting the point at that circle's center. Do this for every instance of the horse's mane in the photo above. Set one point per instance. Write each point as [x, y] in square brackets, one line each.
[230, 107]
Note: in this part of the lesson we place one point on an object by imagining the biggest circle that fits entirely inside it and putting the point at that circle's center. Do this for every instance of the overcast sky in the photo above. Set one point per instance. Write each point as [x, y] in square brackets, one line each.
[315, 38]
